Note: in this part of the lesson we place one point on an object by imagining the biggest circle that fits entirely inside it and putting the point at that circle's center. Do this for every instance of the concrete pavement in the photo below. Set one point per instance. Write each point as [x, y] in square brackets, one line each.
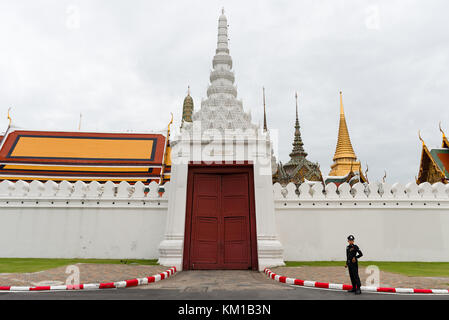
[215, 285]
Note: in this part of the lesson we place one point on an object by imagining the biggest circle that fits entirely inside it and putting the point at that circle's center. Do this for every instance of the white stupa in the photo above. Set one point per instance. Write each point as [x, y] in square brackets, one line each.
[222, 110]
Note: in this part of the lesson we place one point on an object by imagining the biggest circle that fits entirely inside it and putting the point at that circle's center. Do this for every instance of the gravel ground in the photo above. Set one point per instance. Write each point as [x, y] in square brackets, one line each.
[88, 273]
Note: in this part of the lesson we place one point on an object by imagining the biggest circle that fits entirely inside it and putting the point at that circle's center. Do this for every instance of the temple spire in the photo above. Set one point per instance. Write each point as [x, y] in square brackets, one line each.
[298, 149]
[344, 158]
[187, 108]
[222, 37]
[265, 129]
[296, 98]
[344, 147]
[221, 110]
[298, 169]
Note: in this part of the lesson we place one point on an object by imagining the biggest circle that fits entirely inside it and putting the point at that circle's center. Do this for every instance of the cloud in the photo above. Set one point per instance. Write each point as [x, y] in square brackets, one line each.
[126, 66]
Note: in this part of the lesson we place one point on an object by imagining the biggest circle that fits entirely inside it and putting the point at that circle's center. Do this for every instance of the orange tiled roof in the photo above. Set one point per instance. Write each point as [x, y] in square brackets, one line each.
[87, 156]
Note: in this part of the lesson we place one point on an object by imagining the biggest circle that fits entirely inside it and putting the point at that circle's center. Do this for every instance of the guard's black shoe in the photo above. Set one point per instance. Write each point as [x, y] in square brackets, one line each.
[352, 290]
[358, 291]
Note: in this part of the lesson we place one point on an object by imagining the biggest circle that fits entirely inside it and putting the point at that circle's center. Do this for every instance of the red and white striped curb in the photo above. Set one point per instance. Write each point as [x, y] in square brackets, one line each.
[325, 285]
[95, 286]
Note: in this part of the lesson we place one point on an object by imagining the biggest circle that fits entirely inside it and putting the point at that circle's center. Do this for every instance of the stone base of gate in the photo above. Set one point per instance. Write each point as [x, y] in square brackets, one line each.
[269, 251]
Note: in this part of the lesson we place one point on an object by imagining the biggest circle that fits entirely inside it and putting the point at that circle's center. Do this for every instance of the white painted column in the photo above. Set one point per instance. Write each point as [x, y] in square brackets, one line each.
[172, 247]
[269, 248]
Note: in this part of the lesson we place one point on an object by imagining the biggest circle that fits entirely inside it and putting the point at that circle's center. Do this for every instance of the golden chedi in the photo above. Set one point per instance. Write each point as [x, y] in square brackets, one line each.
[345, 160]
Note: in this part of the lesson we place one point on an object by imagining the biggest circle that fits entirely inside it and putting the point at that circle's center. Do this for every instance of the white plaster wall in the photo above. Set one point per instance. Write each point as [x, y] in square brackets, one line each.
[395, 226]
[81, 220]
[391, 223]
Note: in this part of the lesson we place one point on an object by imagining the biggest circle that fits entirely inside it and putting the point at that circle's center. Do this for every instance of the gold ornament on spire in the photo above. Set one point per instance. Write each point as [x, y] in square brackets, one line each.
[342, 111]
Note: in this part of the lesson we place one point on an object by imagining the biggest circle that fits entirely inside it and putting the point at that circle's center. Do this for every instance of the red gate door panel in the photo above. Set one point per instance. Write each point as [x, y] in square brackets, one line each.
[235, 213]
[220, 228]
[205, 220]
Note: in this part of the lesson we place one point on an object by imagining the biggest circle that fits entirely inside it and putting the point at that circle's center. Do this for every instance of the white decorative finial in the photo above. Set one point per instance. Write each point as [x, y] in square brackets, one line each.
[222, 10]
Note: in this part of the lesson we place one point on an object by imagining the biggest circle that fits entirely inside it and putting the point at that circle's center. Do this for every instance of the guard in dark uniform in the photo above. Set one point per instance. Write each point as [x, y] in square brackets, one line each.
[353, 253]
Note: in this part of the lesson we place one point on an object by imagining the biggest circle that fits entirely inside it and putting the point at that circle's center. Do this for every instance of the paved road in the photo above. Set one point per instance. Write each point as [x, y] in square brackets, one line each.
[215, 285]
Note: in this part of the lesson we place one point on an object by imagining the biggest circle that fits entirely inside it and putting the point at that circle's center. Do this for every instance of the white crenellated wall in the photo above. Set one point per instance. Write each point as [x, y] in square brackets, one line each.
[389, 222]
[79, 220]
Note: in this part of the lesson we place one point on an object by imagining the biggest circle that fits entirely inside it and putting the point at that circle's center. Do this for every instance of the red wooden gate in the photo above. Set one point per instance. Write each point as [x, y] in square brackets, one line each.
[220, 219]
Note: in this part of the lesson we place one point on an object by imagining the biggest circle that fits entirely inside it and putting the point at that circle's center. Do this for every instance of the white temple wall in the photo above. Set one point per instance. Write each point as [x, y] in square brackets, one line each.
[81, 220]
[403, 224]
[390, 223]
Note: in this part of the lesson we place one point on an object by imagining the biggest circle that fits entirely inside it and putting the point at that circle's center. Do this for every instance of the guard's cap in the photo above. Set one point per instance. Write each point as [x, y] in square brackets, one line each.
[351, 237]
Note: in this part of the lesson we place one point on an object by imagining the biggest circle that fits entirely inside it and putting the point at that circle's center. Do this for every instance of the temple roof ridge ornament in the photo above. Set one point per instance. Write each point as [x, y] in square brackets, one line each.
[445, 143]
[9, 117]
[420, 138]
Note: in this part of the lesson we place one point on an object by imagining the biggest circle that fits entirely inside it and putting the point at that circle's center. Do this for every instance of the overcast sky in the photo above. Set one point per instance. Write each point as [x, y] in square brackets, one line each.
[125, 65]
